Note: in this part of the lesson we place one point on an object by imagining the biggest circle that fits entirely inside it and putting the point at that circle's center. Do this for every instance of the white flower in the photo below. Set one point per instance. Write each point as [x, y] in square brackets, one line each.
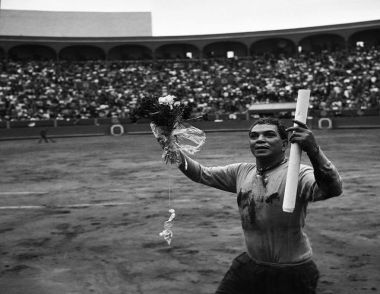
[167, 100]
[162, 100]
[170, 99]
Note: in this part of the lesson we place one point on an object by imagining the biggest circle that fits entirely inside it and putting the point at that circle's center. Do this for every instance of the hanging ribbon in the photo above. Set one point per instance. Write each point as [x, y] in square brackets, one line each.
[167, 233]
[182, 138]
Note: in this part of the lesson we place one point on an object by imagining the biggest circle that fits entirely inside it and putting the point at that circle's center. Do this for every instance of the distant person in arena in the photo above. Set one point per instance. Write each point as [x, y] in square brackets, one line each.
[278, 257]
[44, 137]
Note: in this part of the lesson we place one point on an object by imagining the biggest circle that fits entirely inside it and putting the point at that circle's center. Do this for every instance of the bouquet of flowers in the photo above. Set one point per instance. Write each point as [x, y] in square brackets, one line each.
[174, 134]
[170, 129]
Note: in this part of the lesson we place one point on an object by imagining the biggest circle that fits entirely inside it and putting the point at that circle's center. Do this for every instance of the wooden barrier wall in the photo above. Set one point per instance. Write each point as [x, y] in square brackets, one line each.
[102, 128]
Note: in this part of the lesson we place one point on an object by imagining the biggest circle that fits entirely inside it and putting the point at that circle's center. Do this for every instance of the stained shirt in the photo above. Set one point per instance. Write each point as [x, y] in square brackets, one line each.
[271, 235]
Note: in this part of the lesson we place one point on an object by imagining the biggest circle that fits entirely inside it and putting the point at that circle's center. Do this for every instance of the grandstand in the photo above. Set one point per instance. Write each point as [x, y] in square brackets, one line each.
[65, 69]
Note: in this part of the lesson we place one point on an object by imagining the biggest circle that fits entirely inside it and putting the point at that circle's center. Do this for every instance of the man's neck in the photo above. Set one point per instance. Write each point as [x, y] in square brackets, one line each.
[264, 164]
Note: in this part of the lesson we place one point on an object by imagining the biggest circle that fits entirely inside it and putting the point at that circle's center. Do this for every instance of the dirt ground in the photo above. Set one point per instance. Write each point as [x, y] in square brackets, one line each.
[83, 216]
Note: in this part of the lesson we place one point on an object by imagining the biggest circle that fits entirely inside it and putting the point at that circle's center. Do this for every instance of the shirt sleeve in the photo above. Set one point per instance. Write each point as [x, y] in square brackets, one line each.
[220, 177]
[320, 183]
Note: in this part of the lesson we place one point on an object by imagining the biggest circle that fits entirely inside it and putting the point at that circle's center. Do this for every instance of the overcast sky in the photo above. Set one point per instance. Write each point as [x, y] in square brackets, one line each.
[194, 17]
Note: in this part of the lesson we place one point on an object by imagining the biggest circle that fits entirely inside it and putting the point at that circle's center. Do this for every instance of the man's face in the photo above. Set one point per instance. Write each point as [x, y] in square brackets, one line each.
[265, 142]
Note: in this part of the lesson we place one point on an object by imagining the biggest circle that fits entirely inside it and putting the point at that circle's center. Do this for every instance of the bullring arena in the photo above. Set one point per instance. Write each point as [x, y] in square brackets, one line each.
[82, 215]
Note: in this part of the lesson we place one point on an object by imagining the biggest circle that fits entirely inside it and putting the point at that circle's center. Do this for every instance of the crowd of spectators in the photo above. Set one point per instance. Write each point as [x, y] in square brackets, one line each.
[36, 90]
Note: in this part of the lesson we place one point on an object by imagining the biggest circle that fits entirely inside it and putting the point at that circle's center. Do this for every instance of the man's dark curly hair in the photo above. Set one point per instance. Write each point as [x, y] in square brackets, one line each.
[272, 121]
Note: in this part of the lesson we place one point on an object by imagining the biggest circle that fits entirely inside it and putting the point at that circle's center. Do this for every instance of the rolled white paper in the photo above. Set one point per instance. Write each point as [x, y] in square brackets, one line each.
[295, 154]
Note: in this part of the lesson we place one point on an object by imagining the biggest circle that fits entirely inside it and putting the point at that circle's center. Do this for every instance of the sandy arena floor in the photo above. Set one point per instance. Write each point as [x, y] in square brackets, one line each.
[83, 216]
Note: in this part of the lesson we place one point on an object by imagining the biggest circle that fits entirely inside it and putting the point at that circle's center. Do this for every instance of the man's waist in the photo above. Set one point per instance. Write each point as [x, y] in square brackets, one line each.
[280, 264]
[244, 258]
[278, 249]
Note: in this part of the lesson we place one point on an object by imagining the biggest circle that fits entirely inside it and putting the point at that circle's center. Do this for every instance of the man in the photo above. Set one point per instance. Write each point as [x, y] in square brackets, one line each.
[278, 253]
[44, 137]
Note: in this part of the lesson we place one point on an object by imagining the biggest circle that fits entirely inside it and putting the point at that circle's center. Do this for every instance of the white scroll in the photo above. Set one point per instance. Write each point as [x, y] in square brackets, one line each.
[295, 154]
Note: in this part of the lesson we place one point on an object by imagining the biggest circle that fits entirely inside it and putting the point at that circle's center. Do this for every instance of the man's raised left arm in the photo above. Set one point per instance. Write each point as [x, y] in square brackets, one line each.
[325, 173]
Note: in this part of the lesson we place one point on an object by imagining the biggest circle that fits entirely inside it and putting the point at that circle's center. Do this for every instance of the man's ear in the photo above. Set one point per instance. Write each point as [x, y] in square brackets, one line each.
[285, 144]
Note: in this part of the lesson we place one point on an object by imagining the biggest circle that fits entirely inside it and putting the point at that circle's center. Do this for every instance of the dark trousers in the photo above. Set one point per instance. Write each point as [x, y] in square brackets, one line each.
[46, 139]
[248, 277]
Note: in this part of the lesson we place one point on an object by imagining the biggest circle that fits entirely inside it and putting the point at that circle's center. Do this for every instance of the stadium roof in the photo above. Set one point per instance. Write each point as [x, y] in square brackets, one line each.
[75, 24]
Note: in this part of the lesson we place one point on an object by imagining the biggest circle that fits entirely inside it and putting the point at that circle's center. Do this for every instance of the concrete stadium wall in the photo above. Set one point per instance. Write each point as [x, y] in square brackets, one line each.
[19, 133]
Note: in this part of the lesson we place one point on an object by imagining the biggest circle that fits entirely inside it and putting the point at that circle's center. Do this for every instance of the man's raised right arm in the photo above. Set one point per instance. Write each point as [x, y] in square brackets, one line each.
[220, 177]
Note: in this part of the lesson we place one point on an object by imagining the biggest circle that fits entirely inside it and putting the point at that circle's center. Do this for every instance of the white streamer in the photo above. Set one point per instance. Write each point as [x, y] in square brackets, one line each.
[182, 138]
[167, 233]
